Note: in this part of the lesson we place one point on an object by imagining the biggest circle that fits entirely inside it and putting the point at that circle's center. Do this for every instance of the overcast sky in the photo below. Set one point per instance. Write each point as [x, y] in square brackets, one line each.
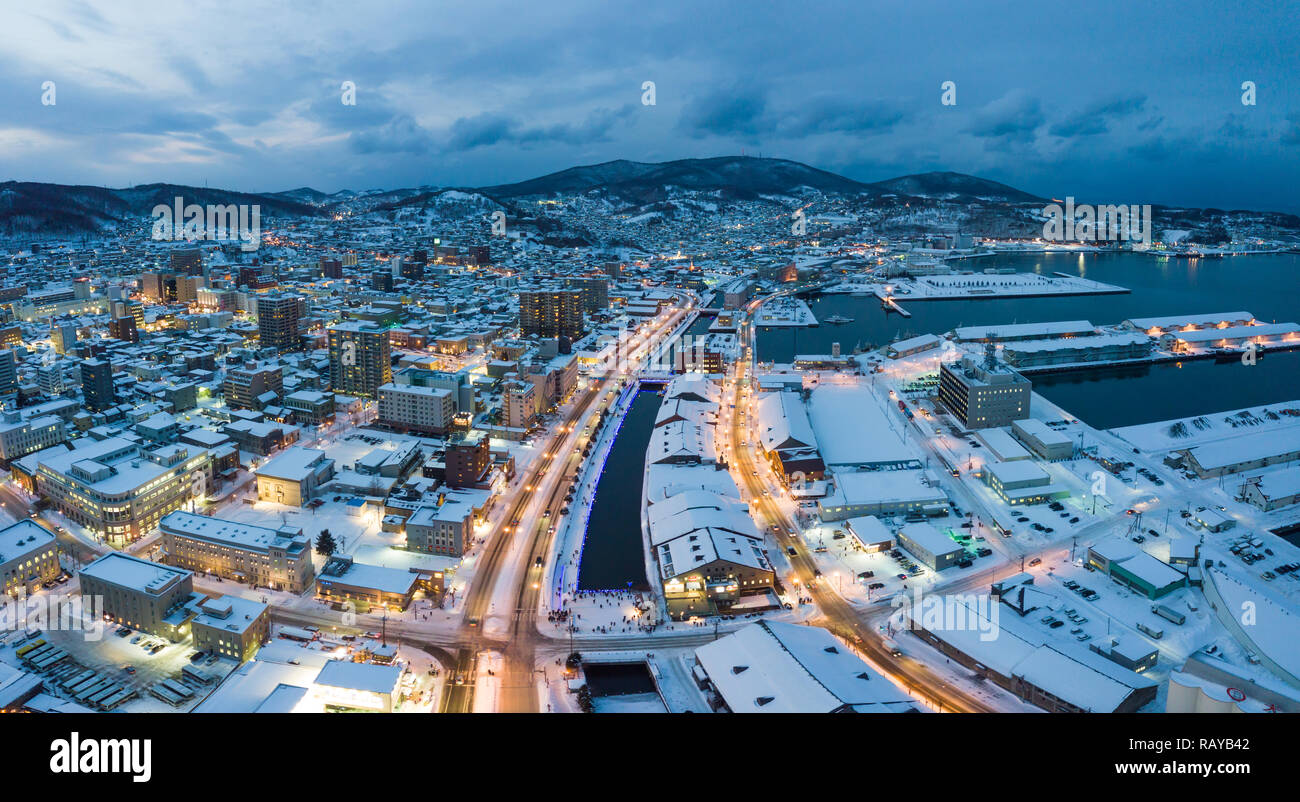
[1117, 102]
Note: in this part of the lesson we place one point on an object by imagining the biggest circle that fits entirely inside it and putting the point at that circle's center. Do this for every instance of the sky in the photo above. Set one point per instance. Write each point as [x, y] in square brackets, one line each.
[1108, 102]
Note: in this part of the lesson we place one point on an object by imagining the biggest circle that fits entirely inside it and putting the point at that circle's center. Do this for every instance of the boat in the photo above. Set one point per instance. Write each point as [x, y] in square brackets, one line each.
[837, 319]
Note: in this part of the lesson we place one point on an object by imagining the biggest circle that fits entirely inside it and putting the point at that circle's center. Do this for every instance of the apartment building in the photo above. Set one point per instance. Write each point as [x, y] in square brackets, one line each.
[551, 313]
[247, 387]
[279, 320]
[360, 358]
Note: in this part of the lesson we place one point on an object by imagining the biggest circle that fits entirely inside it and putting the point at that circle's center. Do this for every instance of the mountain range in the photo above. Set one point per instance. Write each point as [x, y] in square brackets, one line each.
[31, 208]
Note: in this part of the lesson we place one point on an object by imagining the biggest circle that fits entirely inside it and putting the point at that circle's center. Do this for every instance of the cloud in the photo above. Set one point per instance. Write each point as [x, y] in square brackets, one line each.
[1013, 117]
[737, 111]
[401, 134]
[494, 128]
[1096, 117]
[838, 114]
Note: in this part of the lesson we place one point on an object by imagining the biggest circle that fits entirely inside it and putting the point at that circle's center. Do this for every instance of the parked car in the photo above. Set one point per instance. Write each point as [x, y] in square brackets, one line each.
[1035, 561]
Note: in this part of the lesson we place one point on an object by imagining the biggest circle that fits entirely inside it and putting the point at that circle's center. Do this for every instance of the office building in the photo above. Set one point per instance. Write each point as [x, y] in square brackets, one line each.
[142, 595]
[123, 328]
[29, 557]
[294, 476]
[279, 559]
[983, 394]
[119, 488]
[231, 627]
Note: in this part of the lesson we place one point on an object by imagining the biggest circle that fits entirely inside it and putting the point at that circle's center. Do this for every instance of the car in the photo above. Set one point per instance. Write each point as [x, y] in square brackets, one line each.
[538, 562]
[473, 622]
[1071, 584]
[137, 638]
[156, 649]
[198, 656]
[876, 585]
[867, 574]
[1056, 624]
[902, 577]
[1047, 619]
[1082, 636]
[1074, 520]
[790, 550]
[1035, 561]
[984, 552]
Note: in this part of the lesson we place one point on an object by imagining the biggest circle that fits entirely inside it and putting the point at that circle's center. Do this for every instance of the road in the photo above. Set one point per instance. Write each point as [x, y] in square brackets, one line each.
[841, 618]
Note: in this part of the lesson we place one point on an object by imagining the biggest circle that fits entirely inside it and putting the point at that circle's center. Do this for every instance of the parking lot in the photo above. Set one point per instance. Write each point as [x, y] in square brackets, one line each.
[116, 658]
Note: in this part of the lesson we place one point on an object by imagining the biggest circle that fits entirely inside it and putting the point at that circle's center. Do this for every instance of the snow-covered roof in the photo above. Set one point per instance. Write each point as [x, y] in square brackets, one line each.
[775, 667]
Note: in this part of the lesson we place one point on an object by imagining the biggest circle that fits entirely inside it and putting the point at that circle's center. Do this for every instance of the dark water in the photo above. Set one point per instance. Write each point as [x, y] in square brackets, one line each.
[618, 679]
[1267, 286]
[613, 557]
[1111, 397]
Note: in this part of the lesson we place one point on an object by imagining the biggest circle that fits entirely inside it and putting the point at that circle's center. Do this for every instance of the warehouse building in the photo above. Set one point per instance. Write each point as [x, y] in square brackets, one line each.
[1135, 569]
[1062, 677]
[1042, 439]
[776, 667]
[1021, 482]
[1273, 490]
[933, 548]
[1077, 350]
[1243, 453]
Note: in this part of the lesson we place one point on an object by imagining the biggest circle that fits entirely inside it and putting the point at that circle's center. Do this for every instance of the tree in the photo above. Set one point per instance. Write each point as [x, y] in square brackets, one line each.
[325, 543]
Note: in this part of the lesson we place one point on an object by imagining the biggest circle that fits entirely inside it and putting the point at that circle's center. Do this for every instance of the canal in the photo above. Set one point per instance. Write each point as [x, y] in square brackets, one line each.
[612, 555]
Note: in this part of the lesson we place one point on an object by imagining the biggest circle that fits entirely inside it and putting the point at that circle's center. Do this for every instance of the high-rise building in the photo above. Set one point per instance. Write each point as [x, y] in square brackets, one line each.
[186, 260]
[64, 335]
[187, 289]
[278, 319]
[160, 288]
[8, 373]
[97, 384]
[360, 358]
[551, 313]
[466, 462]
[246, 385]
[381, 281]
[331, 268]
[123, 328]
[595, 291]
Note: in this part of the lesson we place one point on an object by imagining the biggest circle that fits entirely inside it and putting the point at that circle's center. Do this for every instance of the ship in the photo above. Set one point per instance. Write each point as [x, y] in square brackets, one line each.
[837, 319]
